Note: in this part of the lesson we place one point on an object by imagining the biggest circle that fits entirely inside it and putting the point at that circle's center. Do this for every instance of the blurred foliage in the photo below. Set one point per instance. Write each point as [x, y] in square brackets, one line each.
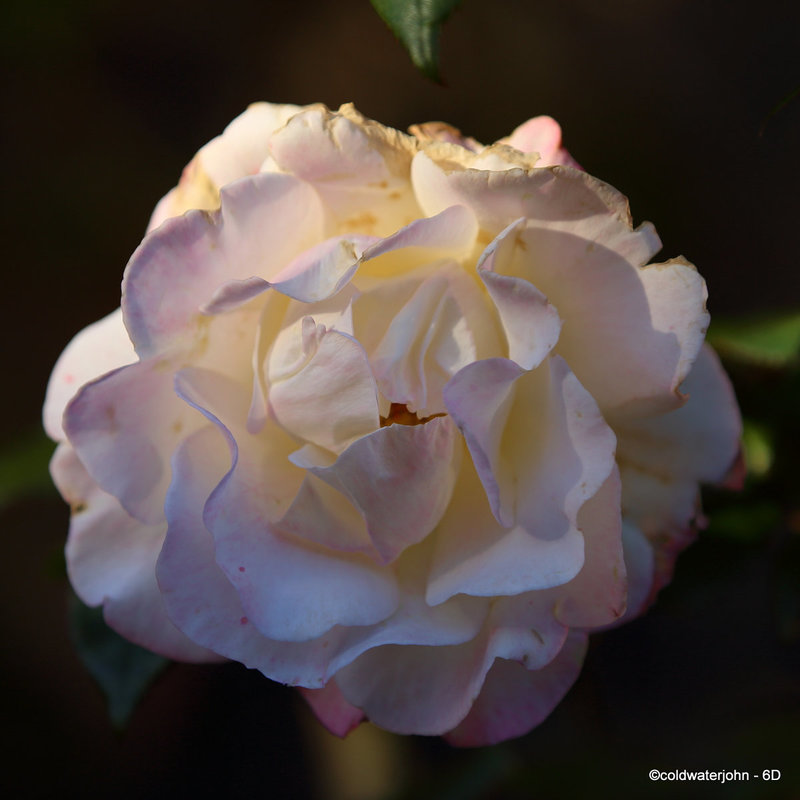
[23, 467]
[416, 24]
[768, 341]
[122, 669]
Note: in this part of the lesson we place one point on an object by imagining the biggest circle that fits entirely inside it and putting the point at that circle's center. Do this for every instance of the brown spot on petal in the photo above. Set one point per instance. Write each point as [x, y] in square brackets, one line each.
[362, 223]
[78, 508]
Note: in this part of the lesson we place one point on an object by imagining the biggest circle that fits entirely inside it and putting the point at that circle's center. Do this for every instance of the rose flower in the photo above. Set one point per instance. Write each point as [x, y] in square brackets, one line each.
[397, 419]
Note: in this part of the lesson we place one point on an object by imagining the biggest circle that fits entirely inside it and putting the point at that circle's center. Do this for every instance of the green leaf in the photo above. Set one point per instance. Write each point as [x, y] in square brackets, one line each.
[23, 467]
[750, 522]
[759, 449]
[768, 341]
[416, 24]
[122, 669]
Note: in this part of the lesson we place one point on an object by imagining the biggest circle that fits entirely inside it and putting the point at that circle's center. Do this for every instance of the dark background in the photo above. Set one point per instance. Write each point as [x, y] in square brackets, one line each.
[104, 101]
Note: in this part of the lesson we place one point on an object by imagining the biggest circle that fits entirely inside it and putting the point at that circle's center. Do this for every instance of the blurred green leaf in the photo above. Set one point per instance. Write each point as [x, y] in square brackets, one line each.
[771, 341]
[745, 522]
[759, 449]
[122, 669]
[23, 467]
[416, 24]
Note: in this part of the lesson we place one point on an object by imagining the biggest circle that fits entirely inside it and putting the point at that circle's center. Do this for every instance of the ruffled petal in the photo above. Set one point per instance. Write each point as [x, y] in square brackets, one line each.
[359, 168]
[315, 275]
[430, 690]
[531, 324]
[99, 348]
[514, 700]
[633, 362]
[124, 427]
[400, 478]
[240, 150]
[290, 592]
[332, 709]
[264, 222]
[327, 394]
[474, 555]
[698, 441]
[598, 594]
[558, 196]
[111, 560]
[541, 135]
[538, 440]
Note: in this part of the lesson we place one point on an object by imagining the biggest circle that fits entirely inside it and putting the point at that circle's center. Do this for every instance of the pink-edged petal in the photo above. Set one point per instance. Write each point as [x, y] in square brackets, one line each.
[663, 458]
[101, 347]
[541, 135]
[329, 398]
[198, 596]
[400, 478]
[124, 428]
[290, 592]
[597, 595]
[332, 709]
[430, 690]
[359, 167]
[514, 700]
[263, 223]
[111, 559]
[315, 275]
[531, 324]
[556, 195]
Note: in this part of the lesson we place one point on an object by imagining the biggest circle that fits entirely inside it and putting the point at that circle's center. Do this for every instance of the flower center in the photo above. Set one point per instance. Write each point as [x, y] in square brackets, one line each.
[400, 415]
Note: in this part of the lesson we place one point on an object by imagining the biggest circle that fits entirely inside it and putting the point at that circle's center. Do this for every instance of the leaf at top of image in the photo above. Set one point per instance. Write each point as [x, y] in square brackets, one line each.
[772, 341]
[123, 670]
[416, 24]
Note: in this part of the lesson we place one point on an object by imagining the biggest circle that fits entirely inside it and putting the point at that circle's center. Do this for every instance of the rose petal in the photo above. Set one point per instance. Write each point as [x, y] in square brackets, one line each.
[124, 427]
[597, 595]
[429, 690]
[538, 440]
[697, 442]
[111, 560]
[332, 710]
[427, 342]
[631, 363]
[331, 399]
[541, 135]
[288, 591]
[559, 196]
[315, 275]
[531, 324]
[400, 478]
[515, 700]
[99, 348]
[359, 168]
[239, 151]
[474, 555]
[263, 223]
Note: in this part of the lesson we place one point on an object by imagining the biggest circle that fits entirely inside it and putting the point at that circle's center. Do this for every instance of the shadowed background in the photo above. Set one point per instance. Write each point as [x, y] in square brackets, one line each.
[668, 100]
